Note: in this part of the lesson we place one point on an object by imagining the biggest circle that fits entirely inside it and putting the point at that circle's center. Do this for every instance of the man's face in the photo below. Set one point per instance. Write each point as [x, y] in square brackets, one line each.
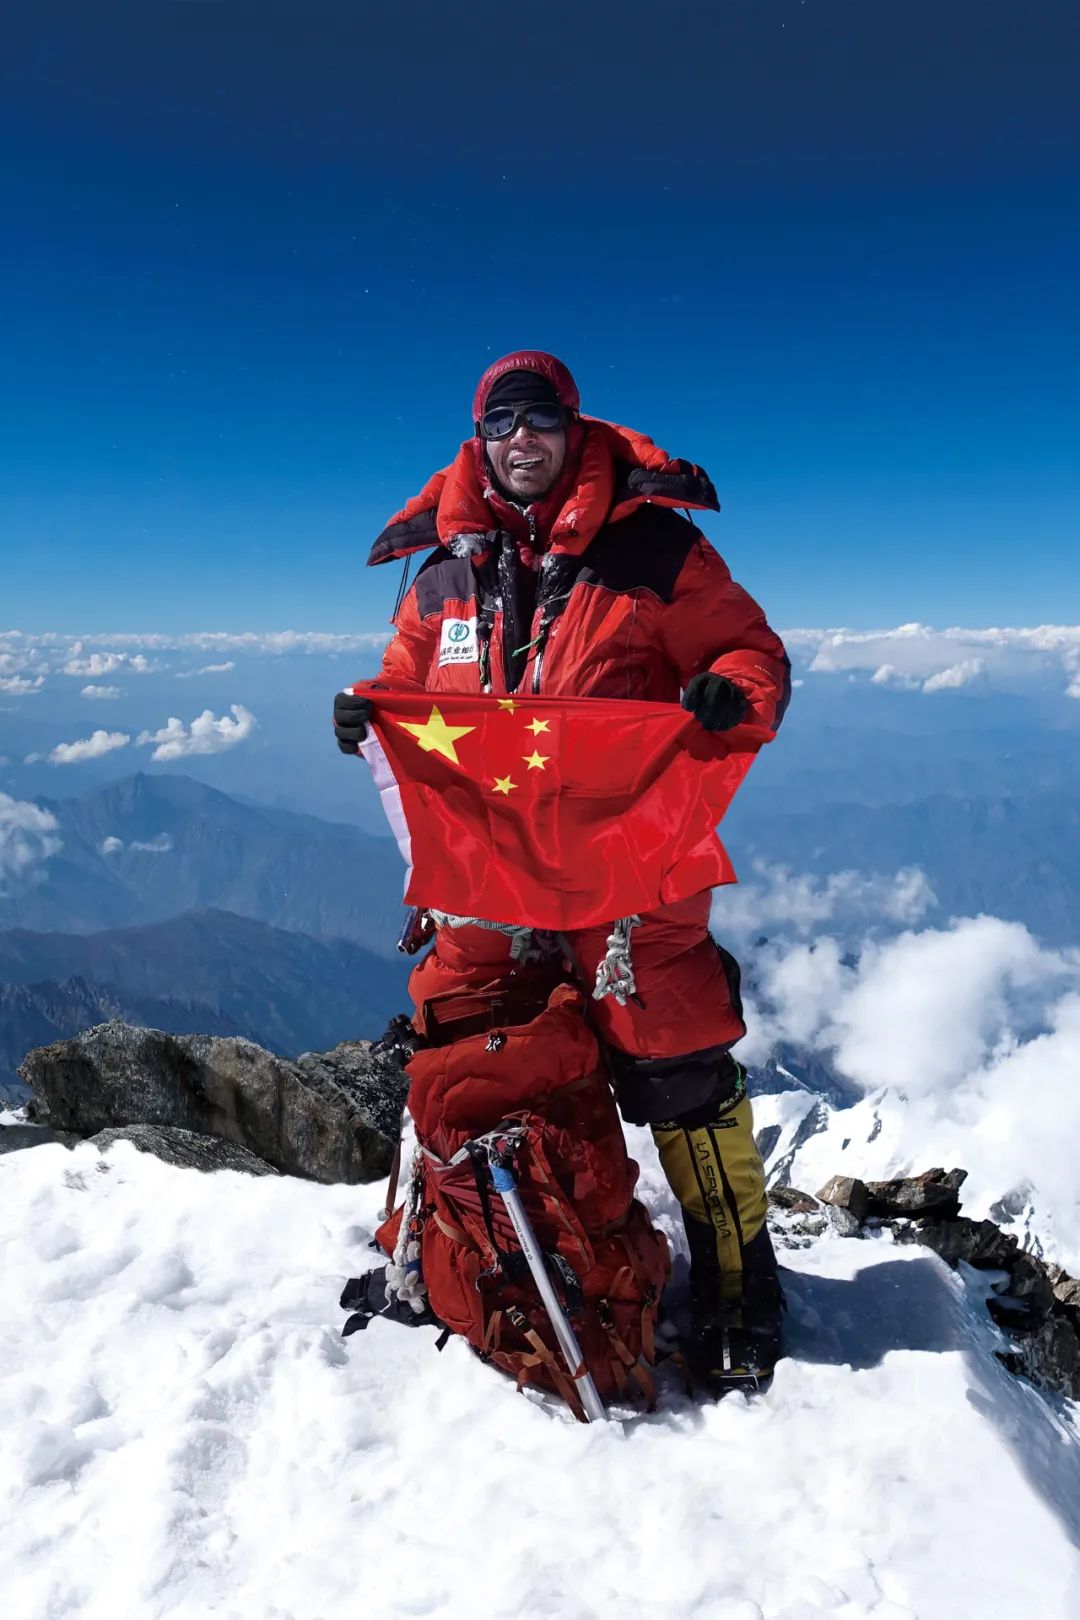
[528, 462]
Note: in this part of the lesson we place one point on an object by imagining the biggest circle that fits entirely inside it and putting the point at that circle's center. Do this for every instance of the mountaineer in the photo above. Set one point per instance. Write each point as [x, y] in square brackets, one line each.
[561, 564]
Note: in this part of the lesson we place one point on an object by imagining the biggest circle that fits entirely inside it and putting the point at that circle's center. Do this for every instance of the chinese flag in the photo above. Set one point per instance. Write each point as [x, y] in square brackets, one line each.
[553, 812]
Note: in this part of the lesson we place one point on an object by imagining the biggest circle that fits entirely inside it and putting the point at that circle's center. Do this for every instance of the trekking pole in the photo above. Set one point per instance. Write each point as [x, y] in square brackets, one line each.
[506, 1187]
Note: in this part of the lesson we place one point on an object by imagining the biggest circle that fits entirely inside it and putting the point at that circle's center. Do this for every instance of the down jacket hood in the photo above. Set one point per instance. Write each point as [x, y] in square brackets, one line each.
[612, 470]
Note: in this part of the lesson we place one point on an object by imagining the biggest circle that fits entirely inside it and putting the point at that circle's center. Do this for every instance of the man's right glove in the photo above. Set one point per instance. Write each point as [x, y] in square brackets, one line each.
[714, 700]
[351, 714]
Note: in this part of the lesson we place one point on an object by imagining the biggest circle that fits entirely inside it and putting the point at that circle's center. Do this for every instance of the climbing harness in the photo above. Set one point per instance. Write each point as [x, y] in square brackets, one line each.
[526, 944]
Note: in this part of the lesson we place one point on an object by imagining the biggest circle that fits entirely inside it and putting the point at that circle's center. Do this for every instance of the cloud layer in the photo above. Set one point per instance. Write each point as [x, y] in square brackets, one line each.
[914, 657]
[775, 898]
[917, 657]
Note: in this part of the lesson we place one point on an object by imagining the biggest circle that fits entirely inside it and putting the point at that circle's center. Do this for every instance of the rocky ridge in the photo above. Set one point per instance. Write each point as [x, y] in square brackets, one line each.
[1036, 1303]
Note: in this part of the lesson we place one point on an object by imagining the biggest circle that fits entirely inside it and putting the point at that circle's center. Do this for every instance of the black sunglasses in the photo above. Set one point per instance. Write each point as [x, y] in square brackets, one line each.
[502, 420]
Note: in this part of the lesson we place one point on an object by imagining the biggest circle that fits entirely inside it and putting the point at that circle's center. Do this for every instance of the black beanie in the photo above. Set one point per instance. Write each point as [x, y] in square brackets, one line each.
[522, 388]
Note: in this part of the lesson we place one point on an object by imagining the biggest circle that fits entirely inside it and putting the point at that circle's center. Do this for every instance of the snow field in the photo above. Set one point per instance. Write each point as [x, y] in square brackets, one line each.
[183, 1434]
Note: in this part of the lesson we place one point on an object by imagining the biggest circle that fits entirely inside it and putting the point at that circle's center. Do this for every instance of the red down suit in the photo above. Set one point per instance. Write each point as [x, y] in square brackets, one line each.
[601, 589]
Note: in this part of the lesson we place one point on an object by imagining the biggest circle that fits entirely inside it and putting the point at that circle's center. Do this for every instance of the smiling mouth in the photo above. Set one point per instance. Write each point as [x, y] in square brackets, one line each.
[525, 464]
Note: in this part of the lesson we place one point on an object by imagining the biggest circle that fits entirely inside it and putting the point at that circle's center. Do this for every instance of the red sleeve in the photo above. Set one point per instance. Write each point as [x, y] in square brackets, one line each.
[711, 623]
[408, 658]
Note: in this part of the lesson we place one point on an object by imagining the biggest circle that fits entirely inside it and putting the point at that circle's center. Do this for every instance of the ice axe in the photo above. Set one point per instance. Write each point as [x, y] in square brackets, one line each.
[500, 1157]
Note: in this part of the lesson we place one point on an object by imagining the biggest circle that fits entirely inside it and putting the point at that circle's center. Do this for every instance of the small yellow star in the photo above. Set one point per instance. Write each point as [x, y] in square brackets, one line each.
[436, 737]
[536, 761]
[536, 726]
[508, 704]
[503, 784]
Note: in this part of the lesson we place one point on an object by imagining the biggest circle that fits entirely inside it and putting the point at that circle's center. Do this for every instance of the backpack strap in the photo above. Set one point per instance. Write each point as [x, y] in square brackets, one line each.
[634, 1369]
[542, 1356]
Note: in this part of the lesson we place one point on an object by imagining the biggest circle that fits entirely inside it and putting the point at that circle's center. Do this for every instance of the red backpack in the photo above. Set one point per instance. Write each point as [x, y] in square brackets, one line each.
[540, 1085]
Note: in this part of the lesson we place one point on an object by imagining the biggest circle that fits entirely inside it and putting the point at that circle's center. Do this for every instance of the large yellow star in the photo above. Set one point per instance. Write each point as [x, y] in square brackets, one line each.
[536, 761]
[536, 726]
[508, 704]
[503, 784]
[436, 737]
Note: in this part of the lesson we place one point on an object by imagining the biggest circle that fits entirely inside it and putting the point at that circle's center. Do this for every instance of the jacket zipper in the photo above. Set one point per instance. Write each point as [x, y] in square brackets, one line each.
[541, 644]
[544, 625]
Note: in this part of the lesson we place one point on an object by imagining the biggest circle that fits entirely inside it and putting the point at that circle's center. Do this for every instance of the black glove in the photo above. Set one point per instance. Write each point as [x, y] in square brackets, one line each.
[351, 714]
[717, 702]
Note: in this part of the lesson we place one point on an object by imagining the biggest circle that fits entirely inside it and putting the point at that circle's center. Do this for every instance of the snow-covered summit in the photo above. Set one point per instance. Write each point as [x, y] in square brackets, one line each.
[183, 1434]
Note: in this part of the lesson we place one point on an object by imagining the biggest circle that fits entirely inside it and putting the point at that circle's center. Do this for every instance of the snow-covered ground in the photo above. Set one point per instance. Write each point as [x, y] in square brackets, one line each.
[184, 1434]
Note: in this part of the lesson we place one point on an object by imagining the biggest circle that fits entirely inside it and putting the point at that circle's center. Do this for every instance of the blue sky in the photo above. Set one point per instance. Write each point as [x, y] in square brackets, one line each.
[258, 255]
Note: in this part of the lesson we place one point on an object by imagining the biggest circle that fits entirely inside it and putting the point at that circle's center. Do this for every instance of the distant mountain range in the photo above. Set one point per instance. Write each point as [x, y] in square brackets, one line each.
[172, 903]
[149, 847]
[205, 971]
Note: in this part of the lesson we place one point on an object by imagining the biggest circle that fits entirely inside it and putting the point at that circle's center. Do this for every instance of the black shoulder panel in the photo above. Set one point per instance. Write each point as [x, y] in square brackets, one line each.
[442, 579]
[683, 483]
[645, 551]
[399, 539]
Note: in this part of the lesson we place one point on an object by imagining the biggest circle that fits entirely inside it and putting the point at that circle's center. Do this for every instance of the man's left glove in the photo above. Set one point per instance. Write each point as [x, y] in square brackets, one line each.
[717, 702]
[351, 714]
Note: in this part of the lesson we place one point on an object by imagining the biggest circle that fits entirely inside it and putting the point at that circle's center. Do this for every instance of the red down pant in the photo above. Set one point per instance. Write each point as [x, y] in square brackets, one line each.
[670, 1059]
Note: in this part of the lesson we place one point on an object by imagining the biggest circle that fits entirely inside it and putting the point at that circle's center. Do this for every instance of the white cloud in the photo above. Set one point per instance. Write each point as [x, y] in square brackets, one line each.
[18, 662]
[1073, 688]
[889, 675]
[106, 663]
[207, 669]
[19, 685]
[205, 735]
[956, 675]
[100, 692]
[28, 836]
[101, 742]
[96, 664]
[161, 845]
[972, 1031]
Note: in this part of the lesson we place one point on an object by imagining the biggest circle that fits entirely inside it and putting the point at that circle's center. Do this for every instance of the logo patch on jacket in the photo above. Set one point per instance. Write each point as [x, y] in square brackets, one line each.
[459, 644]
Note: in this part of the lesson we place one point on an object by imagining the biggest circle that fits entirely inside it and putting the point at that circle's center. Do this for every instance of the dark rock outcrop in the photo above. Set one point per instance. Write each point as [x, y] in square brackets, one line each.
[980, 1243]
[785, 1197]
[330, 1116]
[847, 1192]
[187, 1149]
[934, 1193]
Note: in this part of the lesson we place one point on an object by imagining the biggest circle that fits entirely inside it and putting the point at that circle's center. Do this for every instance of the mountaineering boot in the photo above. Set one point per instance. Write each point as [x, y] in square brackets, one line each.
[712, 1163]
[733, 1343]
